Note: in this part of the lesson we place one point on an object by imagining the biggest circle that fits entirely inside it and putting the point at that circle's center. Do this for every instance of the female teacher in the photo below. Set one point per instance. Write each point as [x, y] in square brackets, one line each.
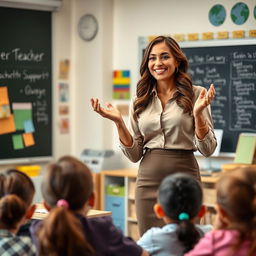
[169, 119]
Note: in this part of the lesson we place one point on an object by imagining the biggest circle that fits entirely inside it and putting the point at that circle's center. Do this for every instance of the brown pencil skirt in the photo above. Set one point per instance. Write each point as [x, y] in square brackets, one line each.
[155, 165]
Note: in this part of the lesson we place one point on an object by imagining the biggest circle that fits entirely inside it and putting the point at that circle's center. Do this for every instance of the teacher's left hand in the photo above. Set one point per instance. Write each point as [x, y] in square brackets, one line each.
[205, 98]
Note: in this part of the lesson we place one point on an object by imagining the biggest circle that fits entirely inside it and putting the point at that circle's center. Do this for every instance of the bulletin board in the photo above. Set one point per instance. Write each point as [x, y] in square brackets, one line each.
[25, 84]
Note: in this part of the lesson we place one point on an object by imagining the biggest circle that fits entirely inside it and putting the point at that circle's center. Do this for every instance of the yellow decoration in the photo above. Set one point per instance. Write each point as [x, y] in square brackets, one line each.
[238, 34]
[252, 33]
[193, 36]
[207, 35]
[179, 37]
[222, 35]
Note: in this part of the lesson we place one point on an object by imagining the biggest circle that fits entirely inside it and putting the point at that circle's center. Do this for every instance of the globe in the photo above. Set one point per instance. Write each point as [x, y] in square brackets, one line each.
[239, 13]
[217, 15]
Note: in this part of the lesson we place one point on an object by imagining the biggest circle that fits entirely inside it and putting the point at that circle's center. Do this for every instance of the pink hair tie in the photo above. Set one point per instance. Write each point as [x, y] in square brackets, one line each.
[63, 203]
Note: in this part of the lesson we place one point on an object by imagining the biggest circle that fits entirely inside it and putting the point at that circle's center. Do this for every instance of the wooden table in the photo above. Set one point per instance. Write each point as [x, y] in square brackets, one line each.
[41, 213]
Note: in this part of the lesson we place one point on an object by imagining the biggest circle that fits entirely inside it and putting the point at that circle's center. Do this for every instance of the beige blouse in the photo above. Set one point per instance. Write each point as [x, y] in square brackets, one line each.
[167, 128]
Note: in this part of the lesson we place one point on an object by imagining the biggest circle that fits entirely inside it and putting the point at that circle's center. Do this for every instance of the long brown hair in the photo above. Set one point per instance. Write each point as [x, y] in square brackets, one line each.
[16, 192]
[236, 194]
[61, 232]
[184, 95]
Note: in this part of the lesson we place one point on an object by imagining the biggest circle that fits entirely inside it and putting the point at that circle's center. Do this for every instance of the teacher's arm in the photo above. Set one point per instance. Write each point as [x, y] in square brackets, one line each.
[204, 132]
[114, 114]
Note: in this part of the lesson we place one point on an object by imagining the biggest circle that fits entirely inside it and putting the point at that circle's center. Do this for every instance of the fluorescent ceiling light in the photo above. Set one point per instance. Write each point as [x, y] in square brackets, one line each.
[43, 5]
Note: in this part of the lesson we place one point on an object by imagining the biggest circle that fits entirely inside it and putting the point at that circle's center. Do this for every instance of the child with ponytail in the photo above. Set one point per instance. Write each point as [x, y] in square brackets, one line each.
[67, 190]
[179, 204]
[235, 227]
[16, 195]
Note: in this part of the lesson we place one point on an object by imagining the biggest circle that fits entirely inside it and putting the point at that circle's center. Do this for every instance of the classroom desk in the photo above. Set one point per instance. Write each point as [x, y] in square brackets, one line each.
[91, 214]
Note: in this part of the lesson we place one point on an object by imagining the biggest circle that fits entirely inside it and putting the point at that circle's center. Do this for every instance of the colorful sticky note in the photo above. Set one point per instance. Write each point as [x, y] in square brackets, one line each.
[22, 112]
[7, 125]
[17, 141]
[29, 127]
[28, 139]
[4, 99]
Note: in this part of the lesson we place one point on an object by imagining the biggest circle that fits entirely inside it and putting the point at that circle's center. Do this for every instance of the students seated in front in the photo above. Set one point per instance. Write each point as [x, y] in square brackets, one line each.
[16, 195]
[235, 227]
[179, 205]
[67, 189]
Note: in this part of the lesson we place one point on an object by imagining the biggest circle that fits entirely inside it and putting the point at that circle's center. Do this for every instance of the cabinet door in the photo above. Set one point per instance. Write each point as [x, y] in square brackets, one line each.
[115, 204]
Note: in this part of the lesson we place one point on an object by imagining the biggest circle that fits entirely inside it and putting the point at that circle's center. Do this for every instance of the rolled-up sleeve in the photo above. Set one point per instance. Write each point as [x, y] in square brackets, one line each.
[135, 152]
[207, 145]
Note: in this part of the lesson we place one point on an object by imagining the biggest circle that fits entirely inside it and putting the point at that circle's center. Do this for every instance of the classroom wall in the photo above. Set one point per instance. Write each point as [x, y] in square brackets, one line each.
[116, 47]
[121, 22]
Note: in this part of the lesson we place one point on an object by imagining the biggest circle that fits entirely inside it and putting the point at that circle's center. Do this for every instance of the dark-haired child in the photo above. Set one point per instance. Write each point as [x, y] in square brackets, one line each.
[16, 195]
[235, 232]
[67, 190]
[179, 204]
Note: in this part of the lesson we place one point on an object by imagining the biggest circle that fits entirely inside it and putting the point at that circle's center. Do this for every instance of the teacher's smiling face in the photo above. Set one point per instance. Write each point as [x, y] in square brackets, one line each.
[161, 62]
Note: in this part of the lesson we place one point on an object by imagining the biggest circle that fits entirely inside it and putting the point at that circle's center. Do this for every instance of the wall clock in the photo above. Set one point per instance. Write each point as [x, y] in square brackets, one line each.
[88, 27]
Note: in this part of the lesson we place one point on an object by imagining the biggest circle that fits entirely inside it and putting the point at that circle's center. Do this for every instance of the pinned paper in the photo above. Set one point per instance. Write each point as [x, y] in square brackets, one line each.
[64, 125]
[64, 69]
[121, 84]
[63, 92]
[29, 127]
[4, 99]
[17, 141]
[22, 112]
[7, 125]
[28, 139]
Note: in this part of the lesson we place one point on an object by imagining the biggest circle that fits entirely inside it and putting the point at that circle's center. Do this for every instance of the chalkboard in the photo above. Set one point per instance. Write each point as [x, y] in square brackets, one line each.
[25, 84]
[231, 66]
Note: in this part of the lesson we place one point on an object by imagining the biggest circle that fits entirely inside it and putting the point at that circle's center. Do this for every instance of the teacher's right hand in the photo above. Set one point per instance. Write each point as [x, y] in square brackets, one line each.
[110, 112]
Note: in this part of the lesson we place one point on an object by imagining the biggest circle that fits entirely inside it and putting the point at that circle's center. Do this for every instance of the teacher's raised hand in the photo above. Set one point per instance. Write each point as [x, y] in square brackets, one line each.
[110, 112]
[205, 98]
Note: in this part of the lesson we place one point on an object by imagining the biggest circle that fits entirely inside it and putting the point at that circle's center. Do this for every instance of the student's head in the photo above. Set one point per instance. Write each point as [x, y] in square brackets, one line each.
[67, 189]
[70, 180]
[16, 194]
[180, 201]
[236, 199]
[164, 60]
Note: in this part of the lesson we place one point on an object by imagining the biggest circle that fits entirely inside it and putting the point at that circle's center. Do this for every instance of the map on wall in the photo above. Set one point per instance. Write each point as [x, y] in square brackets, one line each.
[217, 15]
[239, 13]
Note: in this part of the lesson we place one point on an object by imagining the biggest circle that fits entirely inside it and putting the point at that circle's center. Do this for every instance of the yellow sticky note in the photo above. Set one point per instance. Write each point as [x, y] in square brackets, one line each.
[7, 125]
[28, 139]
[4, 99]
